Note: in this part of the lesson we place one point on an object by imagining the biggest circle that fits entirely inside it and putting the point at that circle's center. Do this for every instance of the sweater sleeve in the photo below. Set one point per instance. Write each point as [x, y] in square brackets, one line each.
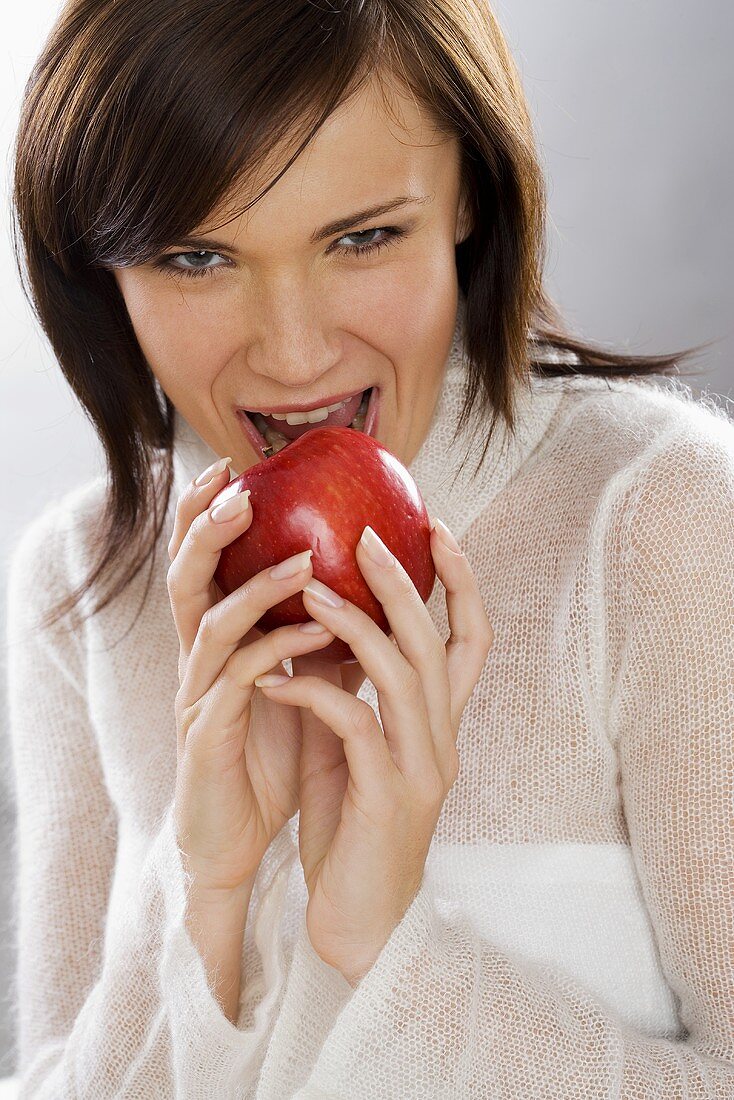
[442, 1012]
[105, 1007]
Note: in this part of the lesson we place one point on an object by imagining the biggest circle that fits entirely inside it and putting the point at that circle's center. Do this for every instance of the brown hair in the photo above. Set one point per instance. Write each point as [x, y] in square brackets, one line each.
[126, 92]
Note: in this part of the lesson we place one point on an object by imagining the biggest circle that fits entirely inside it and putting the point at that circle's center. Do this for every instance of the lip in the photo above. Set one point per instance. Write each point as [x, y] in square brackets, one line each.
[259, 444]
[373, 412]
[304, 408]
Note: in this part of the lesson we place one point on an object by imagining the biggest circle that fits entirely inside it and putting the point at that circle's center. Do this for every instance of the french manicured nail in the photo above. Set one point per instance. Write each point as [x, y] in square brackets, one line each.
[323, 594]
[376, 548]
[445, 536]
[271, 680]
[213, 471]
[233, 506]
[313, 627]
[291, 566]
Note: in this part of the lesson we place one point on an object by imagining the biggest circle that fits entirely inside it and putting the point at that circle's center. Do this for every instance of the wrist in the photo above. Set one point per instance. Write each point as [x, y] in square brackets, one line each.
[216, 923]
[220, 900]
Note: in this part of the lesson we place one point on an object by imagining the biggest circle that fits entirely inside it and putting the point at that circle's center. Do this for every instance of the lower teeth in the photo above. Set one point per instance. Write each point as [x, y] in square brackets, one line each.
[277, 441]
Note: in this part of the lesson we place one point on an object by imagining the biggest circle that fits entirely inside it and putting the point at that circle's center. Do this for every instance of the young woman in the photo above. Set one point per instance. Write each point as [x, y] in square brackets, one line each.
[494, 856]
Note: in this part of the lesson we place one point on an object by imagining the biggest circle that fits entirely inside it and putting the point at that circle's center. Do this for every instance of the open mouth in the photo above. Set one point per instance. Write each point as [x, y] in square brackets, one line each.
[268, 441]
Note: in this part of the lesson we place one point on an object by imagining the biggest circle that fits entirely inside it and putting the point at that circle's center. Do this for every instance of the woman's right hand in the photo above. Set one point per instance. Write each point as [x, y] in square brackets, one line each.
[237, 778]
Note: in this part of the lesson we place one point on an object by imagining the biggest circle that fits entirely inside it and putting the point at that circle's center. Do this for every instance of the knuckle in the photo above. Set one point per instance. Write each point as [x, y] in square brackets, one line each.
[209, 625]
[403, 584]
[188, 496]
[196, 730]
[181, 709]
[230, 675]
[361, 717]
[187, 716]
[407, 680]
[197, 527]
[248, 590]
[238, 674]
[432, 792]
[278, 643]
[183, 508]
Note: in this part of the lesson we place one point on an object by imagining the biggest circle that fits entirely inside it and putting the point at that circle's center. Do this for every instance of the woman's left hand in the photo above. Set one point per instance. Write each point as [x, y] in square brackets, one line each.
[369, 802]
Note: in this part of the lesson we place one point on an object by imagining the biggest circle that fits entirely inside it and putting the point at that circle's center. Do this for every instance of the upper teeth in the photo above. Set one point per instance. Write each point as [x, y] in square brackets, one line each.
[311, 417]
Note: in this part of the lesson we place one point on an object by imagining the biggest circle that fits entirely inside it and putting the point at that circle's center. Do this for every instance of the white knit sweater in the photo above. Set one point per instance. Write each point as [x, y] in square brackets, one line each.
[573, 936]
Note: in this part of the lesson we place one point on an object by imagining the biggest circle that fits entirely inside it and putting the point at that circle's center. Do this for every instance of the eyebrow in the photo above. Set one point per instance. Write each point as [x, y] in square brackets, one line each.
[338, 226]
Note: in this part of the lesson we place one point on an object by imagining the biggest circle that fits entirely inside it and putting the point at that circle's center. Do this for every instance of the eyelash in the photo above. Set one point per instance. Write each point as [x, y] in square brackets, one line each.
[165, 262]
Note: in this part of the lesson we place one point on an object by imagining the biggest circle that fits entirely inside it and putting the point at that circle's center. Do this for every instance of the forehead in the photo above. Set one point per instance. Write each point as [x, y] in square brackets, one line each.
[379, 143]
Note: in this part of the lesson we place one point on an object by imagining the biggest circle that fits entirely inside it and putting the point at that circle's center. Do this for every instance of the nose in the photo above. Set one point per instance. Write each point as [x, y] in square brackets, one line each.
[293, 344]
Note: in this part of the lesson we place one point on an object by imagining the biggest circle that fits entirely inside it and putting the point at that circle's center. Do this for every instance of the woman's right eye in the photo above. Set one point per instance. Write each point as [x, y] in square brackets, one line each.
[166, 264]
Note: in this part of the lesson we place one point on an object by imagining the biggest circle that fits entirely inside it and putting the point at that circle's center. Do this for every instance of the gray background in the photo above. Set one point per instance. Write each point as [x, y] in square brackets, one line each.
[630, 107]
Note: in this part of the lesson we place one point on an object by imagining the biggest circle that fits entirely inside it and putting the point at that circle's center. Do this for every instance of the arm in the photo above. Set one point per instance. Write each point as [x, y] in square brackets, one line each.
[111, 1001]
[443, 1012]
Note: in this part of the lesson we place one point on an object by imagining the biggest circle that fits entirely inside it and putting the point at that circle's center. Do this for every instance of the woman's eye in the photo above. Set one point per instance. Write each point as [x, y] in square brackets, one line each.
[167, 264]
[390, 234]
[171, 265]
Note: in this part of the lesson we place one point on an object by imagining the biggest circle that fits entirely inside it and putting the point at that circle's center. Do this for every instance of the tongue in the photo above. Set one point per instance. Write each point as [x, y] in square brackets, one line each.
[340, 418]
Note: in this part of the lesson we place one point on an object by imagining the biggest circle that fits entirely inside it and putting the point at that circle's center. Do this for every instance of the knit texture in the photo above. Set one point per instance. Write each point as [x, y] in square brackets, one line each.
[573, 935]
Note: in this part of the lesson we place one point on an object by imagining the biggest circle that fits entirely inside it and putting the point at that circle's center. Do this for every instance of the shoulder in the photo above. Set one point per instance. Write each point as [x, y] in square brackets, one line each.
[679, 516]
[625, 429]
[644, 408]
[666, 462]
[647, 466]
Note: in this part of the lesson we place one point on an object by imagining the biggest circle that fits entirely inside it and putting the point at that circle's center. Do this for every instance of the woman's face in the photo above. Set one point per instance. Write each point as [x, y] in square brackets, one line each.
[281, 318]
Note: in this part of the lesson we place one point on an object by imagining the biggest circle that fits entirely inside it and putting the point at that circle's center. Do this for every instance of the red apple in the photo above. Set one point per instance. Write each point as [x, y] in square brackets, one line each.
[320, 492]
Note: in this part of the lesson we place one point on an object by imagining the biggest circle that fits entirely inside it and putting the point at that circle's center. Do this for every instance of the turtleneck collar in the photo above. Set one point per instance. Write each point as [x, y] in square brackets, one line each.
[449, 491]
[444, 467]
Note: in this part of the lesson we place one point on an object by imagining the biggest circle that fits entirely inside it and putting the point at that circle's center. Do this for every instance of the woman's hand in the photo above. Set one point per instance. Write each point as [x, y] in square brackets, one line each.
[370, 802]
[238, 756]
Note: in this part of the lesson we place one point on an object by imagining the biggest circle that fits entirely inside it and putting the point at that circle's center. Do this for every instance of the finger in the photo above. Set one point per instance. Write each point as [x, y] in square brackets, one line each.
[415, 634]
[321, 750]
[223, 625]
[223, 705]
[403, 712]
[471, 634]
[192, 570]
[197, 496]
[372, 770]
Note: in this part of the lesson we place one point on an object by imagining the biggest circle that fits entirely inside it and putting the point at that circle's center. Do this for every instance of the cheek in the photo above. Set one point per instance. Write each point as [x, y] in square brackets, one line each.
[407, 307]
[182, 338]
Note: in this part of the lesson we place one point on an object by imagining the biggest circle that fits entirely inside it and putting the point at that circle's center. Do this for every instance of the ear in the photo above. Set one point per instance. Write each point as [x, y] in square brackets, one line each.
[463, 222]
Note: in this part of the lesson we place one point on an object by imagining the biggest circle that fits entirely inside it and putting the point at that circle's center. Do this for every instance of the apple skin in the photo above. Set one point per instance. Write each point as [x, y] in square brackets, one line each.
[320, 492]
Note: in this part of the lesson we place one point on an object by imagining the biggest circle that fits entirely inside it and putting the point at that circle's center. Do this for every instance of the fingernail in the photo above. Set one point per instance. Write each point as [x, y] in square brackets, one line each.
[291, 566]
[233, 506]
[376, 549]
[445, 536]
[313, 628]
[271, 680]
[213, 471]
[323, 594]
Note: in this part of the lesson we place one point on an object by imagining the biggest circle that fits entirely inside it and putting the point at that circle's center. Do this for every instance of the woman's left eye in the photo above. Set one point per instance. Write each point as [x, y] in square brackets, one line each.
[390, 234]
